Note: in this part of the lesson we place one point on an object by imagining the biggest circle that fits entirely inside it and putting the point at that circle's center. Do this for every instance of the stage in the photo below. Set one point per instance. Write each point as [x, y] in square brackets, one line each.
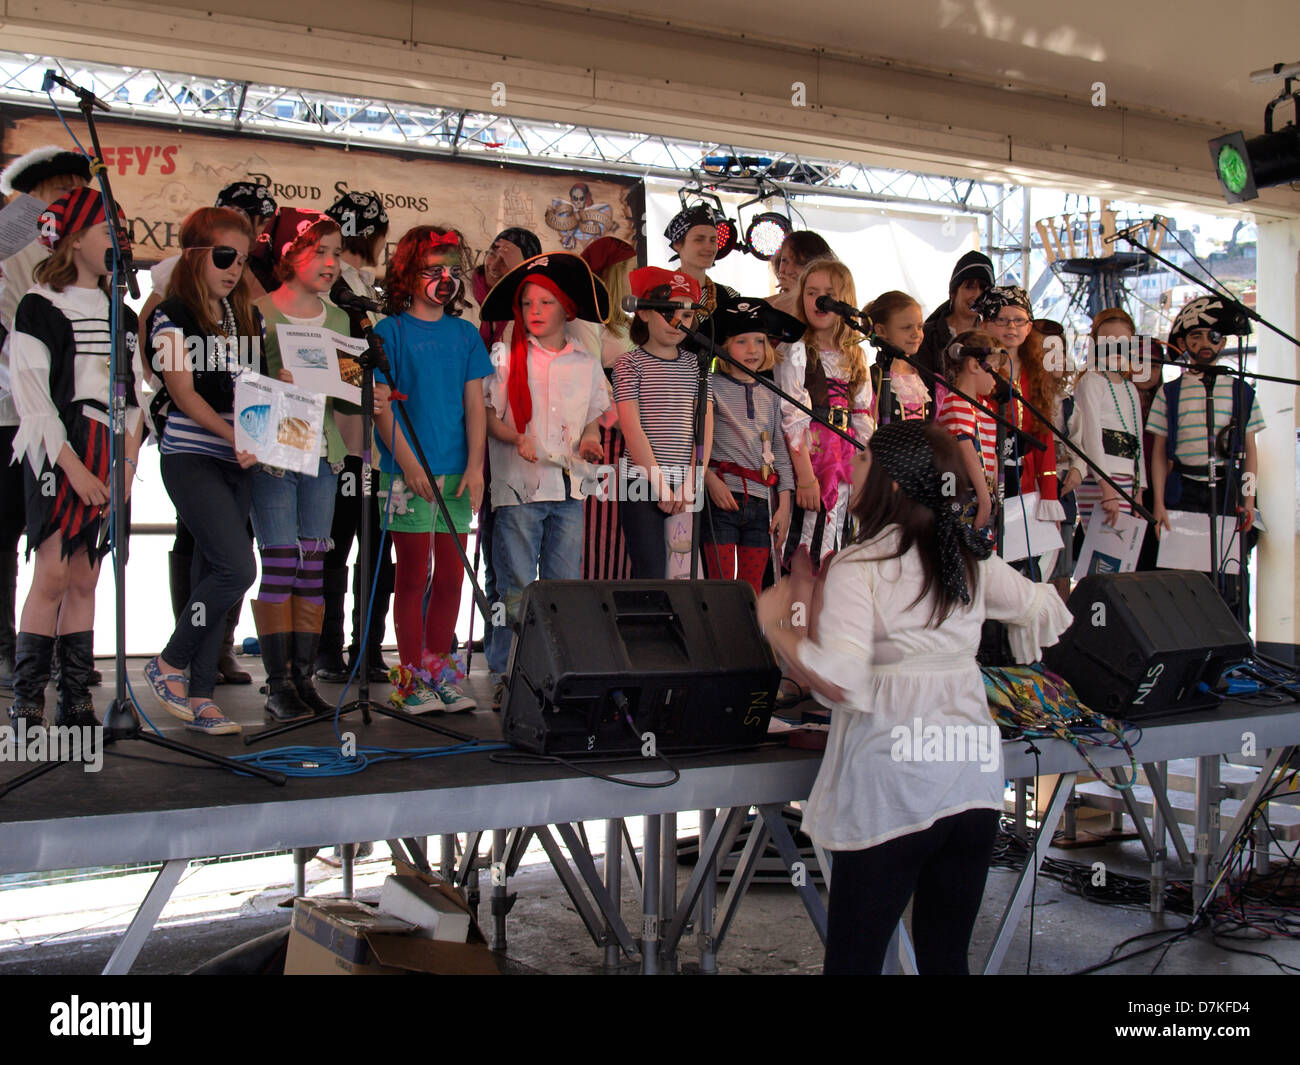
[150, 805]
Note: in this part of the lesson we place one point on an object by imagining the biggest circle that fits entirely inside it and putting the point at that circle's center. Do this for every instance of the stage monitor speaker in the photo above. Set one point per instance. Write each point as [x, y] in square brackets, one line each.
[1142, 643]
[597, 664]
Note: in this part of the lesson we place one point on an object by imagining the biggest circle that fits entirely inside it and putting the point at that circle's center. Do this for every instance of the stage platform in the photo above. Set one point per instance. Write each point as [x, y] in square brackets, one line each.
[149, 805]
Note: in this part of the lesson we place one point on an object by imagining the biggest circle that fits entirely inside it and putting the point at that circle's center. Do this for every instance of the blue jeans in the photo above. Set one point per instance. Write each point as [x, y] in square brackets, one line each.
[747, 526]
[293, 507]
[530, 539]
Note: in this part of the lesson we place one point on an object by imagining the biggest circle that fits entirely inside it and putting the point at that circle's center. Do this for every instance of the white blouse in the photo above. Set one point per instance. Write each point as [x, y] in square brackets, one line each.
[1095, 410]
[569, 391]
[41, 433]
[913, 742]
[791, 368]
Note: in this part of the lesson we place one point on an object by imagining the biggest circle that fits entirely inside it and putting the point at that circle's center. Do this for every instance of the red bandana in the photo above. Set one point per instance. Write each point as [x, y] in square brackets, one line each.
[521, 399]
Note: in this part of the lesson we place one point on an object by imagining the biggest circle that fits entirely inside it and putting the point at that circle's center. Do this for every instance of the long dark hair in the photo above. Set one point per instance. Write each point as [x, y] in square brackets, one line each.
[882, 504]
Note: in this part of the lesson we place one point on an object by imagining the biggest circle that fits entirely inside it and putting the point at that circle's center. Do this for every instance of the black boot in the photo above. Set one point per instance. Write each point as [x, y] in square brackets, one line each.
[274, 621]
[375, 664]
[306, 642]
[77, 655]
[32, 659]
[8, 590]
[378, 626]
[329, 664]
[228, 668]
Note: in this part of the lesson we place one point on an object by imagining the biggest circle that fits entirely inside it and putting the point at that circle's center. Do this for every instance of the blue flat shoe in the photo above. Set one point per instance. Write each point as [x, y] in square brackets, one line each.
[176, 705]
[213, 726]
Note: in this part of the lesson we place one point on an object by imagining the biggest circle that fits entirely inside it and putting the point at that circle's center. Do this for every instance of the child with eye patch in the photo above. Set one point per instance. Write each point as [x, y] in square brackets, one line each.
[437, 361]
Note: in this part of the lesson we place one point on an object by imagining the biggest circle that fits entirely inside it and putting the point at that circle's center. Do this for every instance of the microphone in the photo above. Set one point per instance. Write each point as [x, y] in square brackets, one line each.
[350, 301]
[632, 304]
[84, 95]
[830, 305]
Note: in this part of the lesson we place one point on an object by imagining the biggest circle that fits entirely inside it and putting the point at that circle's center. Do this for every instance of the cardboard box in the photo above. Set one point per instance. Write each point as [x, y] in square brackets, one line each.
[342, 937]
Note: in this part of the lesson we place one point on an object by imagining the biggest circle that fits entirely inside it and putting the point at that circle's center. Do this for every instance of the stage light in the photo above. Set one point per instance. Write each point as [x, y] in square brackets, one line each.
[766, 234]
[726, 237]
[1243, 166]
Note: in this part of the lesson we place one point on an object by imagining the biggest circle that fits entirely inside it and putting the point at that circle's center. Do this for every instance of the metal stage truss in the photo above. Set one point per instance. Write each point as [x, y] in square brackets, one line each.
[228, 105]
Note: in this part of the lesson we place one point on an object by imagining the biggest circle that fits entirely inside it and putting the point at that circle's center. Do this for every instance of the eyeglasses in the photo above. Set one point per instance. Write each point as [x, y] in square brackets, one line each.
[223, 255]
[1012, 323]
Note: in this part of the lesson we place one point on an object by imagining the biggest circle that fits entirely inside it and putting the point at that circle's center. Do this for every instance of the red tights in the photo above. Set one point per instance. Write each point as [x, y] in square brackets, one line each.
[728, 562]
[432, 630]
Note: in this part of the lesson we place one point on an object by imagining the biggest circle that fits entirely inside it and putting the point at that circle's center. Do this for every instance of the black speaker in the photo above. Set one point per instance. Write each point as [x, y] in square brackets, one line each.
[597, 664]
[1141, 643]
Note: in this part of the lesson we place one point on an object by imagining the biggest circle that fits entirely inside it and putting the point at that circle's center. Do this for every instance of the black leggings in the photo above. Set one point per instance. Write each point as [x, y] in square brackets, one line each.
[944, 867]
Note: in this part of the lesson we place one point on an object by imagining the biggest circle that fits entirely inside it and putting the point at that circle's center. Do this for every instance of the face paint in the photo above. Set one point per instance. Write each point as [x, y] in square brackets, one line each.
[441, 284]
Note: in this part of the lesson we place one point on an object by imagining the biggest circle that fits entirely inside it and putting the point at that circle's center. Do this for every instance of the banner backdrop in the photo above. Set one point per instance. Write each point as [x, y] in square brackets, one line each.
[160, 174]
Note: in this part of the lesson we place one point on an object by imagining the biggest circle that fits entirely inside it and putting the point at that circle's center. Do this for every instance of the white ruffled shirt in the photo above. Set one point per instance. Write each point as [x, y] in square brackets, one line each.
[789, 373]
[913, 693]
[41, 433]
[569, 391]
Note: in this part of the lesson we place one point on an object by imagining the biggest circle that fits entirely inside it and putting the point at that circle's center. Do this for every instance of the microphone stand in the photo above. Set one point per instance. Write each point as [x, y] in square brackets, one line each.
[120, 721]
[374, 359]
[1239, 456]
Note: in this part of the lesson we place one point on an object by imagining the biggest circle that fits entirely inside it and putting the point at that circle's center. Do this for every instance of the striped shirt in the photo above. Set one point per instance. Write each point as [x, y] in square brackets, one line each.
[742, 412]
[664, 391]
[1190, 447]
[966, 422]
[182, 435]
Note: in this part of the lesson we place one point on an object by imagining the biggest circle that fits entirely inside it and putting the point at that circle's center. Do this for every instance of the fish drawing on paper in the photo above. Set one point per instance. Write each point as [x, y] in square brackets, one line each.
[256, 420]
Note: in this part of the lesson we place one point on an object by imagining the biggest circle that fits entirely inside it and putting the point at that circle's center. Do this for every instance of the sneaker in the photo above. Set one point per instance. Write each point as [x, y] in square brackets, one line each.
[454, 698]
[423, 699]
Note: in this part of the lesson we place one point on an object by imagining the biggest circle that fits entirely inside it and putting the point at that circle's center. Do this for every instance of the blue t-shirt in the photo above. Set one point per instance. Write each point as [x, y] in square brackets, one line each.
[431, 363]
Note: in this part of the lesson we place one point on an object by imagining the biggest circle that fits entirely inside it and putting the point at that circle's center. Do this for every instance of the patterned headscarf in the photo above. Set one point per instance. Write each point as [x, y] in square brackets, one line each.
[903, 451]
[71, 213]
[989, 305]
[248, 196]
[359, 214]
[687, 219]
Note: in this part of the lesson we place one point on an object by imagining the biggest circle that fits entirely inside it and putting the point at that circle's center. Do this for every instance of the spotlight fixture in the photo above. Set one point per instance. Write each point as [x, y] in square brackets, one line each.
[726, 236]
[1244, 166]
[765, 234]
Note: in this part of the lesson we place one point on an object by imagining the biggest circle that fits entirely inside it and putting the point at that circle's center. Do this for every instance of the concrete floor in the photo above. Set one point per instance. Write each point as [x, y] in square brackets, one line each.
[771, 933]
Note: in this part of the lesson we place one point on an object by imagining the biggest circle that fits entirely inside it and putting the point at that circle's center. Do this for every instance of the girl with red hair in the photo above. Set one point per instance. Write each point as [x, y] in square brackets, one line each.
[437, 361]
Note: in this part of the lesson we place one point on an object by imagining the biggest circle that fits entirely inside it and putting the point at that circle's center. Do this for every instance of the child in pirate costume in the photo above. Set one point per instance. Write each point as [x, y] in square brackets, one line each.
[544, 402]
[656, 387]
[363, 223]
[825, 370]
[693, 236]
[254, 202]
[59, 362]
[45, 173]
[1008, 319]
[1177, 423]
[750, 480]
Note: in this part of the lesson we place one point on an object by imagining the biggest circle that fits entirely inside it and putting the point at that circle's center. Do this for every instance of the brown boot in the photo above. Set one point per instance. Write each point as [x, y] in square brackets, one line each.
[307, 619]
[275, 634]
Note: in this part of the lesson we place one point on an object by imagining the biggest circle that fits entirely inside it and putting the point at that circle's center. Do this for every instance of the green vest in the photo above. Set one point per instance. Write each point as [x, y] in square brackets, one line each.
[335, 319]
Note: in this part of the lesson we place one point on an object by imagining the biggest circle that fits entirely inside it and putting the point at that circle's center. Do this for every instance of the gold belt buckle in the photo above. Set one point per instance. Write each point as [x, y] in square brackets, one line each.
[839, 417]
